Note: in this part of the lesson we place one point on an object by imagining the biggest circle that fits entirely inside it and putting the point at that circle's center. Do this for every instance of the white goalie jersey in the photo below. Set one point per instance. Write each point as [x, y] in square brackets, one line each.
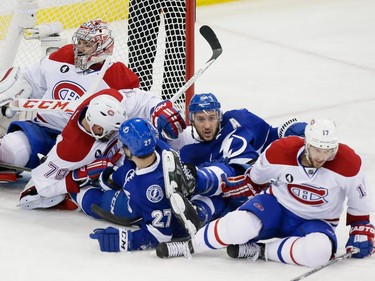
[54, 77]
[314, 193]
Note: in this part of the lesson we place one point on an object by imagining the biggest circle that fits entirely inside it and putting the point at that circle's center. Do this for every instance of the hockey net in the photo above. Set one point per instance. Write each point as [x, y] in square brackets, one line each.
[162, 67]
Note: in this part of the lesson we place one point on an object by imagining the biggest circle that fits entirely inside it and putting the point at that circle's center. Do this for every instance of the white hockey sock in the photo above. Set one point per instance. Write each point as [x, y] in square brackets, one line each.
[311, 250]
[237, 227]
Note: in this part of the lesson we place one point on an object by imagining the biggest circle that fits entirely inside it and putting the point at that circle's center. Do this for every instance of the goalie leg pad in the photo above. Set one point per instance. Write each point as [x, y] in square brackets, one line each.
[7, 176]
[15, 149]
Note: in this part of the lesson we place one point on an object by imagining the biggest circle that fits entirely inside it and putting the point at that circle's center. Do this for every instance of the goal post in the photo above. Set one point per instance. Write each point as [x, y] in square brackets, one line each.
[170, 57]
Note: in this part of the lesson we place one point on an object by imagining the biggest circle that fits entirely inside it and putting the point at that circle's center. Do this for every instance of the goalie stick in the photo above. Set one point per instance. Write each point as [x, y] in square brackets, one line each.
[332, 261]
[108, 216]
[49, 104]
[62, 105]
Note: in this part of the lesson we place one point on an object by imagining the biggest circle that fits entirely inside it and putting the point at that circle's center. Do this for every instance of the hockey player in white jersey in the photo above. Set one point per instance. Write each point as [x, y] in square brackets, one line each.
[63, 75]
[89, 143]
[309, 181]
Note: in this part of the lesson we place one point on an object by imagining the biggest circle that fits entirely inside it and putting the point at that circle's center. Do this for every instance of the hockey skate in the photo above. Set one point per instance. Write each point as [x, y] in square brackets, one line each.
[177, 177]
[185, 213]
[30, 199]
[177, 186]
[176, 248]
[252, 251]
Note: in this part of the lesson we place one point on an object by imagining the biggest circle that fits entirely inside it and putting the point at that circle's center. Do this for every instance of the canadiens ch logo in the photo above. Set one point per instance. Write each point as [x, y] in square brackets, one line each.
[309, 195]
[67, 90]
[154, 193]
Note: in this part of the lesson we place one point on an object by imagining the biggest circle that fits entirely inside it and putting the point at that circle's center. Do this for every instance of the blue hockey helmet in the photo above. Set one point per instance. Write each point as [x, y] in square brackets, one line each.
[203, 102]
[139, 136]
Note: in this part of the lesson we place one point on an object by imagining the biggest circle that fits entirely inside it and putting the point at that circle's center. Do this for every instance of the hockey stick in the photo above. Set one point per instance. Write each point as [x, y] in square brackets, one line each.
[13, 167]
[108, 216]
[333, 261]
[50, 104]
[215, 45]
[75, 103]
[46, 104]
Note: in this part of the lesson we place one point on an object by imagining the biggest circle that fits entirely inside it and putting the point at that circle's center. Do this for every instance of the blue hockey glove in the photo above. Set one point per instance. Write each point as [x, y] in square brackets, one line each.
[361, 236]
[113, 239]
[292, 128]
[167, 120]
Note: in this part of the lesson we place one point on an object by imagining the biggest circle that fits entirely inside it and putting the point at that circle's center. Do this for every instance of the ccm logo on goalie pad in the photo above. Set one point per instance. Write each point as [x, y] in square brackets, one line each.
[34, 104]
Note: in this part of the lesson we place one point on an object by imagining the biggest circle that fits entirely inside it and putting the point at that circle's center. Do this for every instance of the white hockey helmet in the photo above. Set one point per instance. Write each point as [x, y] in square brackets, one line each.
[107, 112]
[322, 133]
[98, 34]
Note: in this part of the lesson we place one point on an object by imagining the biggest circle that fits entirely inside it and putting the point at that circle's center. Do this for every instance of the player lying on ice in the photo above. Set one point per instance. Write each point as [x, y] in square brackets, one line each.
[310, 179]
[89, 142]
[64, 75]
[135, 191]
[140, 193]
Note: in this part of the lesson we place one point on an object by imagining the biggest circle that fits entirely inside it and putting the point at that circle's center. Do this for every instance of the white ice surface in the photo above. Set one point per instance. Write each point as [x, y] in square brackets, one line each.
[281, 59]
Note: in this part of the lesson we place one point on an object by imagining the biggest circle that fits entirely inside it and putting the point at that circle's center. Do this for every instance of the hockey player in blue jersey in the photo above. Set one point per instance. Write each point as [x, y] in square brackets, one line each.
[135, 191]
[225, 143]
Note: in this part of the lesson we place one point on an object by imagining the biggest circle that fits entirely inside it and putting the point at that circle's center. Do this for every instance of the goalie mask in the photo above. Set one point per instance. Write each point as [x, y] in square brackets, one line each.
[138, 136]
[321, 133]
[93, 43]
[107, 112]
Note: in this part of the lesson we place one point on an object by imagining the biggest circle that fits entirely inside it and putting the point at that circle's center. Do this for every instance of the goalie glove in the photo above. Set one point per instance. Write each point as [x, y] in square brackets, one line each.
[113, 239]
[13, 86]
[361, 236]
[239, 186]
[167, 120]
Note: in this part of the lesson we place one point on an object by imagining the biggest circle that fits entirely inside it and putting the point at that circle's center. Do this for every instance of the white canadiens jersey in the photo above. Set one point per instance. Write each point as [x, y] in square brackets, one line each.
[314, 193]
[76, 148]
[55, 77]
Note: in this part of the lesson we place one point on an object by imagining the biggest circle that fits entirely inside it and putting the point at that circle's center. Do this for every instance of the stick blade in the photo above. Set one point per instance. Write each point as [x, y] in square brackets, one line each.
[106, 215]
[212, 39]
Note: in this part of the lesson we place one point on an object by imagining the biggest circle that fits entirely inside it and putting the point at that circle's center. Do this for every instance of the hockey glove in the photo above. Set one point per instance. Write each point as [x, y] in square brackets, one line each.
[292, 128]
[92, 171]
[113, 239]
[105, 179]
[167, 120]
[361, 236]
[240, 186]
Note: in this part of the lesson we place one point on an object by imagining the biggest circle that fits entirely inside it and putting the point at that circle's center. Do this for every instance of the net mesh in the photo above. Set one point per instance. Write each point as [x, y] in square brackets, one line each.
[149, 37]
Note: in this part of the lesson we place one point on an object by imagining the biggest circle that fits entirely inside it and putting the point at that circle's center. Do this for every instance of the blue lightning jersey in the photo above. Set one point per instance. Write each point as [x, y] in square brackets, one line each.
[143, 196]
[242, 137]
